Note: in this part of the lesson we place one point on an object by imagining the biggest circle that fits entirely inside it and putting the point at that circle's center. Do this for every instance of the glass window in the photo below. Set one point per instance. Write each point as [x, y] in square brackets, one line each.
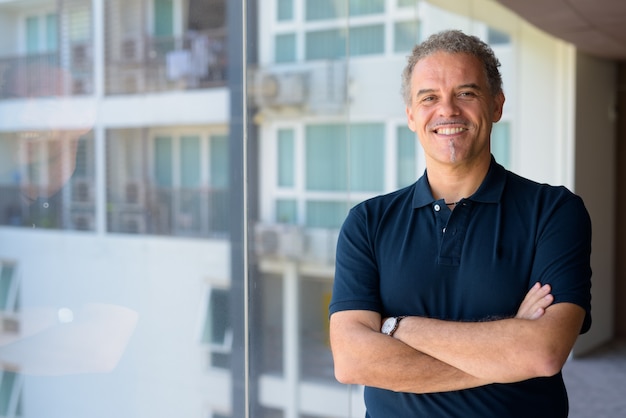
[163, 17]
[287, 211]
[406, 144]
[284, 10]
[501, 143]
[367, 40]
[218, 146]
[8, 287]
[190, 161]
[286, 158]
[325, 44]
[163, 171]
[336, 161]
[51, 32]
[325, 9]
[497, 37]
[325, 214]
[315, 360]
[216, 332]
[32, 35]
[326, 156]
[406, 35]
[285, 48]
[333, 9]
[10, 395]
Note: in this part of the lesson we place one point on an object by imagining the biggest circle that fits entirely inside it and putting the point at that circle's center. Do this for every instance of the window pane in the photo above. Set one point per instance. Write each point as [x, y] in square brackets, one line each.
[501, 143]
[32, 35]
[286, 211]
[219, 161]
[284, 10]
[367, 156]
[163, 171]
[51, 32]
[406, 156]
[325, 44]
[406, 36]
[326, 155]
[325, 9]
[366, 7]
[285, 48]
[190, 161]
[367, 40]
[286, 158]
[496, 37]
[325, 214]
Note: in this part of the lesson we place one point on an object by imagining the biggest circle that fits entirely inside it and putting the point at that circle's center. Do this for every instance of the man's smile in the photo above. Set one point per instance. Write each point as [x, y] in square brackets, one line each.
[449, 131]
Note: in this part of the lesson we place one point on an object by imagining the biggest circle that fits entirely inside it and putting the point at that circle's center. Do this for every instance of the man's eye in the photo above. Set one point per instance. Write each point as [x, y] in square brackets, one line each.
[467, 94]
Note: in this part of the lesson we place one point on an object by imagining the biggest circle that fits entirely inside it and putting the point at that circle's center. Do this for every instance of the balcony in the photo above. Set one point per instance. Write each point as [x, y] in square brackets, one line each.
[47, 74]
[147, 64]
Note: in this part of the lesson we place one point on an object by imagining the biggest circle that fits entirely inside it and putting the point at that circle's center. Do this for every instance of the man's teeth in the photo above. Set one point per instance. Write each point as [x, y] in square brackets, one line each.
[450, 131]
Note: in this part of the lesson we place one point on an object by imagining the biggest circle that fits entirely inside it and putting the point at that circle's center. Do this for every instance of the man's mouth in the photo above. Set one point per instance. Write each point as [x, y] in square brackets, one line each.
[450, 131]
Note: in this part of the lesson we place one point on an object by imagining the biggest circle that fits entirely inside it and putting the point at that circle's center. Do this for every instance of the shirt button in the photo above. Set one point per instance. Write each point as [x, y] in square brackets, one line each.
[437, 208]
[443, 230]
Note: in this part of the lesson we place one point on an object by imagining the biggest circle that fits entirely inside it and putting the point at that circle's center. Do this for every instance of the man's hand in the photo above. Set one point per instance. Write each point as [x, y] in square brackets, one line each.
[535, 303]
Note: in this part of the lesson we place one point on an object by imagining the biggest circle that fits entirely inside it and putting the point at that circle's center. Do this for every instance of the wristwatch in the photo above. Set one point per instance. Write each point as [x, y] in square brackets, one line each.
[391, 325]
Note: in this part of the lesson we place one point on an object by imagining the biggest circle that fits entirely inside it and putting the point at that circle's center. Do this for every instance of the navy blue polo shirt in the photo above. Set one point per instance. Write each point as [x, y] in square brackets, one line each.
[405, 253]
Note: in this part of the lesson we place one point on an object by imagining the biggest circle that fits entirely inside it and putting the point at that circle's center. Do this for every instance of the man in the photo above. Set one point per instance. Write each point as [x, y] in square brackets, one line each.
[479, 278]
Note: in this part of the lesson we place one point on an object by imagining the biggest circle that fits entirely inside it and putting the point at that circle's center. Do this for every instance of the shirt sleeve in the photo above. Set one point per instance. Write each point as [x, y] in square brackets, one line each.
[563, 251]
[356, 284]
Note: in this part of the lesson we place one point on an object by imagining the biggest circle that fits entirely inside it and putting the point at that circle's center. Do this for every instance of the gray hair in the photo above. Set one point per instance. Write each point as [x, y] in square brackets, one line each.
[453, 41]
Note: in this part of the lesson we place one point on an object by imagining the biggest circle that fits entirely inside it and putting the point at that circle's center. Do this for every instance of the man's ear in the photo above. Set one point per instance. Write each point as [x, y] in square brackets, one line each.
[409, 118]
[498, 106]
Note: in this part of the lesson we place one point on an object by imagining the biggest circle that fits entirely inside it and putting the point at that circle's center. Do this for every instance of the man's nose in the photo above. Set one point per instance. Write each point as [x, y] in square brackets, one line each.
[448, 106]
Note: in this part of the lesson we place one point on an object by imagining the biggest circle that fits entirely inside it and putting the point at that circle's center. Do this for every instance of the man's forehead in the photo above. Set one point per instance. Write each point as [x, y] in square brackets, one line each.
[458, 69]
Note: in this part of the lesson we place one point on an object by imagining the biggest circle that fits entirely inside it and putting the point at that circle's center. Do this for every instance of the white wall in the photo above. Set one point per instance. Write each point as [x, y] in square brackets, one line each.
[596, 87]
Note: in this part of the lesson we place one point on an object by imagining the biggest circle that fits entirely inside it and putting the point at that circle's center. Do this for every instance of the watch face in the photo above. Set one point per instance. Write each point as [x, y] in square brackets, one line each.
[388, 325]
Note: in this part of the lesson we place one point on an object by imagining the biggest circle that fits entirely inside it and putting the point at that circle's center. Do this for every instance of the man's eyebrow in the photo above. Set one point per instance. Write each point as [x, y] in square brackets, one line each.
[424, 91]
[473, 86]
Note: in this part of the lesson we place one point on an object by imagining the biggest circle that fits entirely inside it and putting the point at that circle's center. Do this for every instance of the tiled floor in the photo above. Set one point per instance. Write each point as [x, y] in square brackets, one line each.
[596, 383]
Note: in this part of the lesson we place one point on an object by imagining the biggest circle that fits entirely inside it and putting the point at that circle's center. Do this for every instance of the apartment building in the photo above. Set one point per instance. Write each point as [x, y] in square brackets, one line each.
[117, 179]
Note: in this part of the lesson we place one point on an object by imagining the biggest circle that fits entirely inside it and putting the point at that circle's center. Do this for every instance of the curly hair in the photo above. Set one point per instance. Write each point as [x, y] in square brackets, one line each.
[453, 41]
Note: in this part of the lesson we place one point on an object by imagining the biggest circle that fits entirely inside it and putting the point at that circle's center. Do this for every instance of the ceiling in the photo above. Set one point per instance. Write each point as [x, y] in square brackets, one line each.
[597, 27]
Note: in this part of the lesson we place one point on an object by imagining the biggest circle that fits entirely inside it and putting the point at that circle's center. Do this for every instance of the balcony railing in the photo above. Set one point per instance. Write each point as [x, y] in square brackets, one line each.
[46, 74]
[197, 213]
[150, 64]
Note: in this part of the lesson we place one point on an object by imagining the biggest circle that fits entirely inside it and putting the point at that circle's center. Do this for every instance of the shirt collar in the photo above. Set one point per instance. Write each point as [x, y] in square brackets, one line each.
[490, 190]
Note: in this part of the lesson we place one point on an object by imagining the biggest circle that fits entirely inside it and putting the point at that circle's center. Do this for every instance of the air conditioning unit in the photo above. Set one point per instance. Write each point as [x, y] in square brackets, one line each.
[82, 191]
[134, 193]
[83, 221]
[279, 241]
[131, 51]
[281, 89]
[133, 223]
[81, 56]
[9, 324]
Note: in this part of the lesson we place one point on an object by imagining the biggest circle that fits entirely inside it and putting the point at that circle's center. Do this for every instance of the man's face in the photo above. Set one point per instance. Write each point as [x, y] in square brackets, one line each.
[452, 109]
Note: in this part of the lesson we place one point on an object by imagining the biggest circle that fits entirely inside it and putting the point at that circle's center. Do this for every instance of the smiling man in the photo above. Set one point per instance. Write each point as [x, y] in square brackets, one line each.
[463, 294]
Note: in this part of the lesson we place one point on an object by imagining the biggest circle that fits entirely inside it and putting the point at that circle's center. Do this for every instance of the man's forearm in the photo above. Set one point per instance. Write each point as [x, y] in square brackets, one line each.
[507, 350]
[364, 356]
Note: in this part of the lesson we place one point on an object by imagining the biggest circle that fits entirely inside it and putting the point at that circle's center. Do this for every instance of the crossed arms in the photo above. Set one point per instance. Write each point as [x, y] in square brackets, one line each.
[428, 355]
